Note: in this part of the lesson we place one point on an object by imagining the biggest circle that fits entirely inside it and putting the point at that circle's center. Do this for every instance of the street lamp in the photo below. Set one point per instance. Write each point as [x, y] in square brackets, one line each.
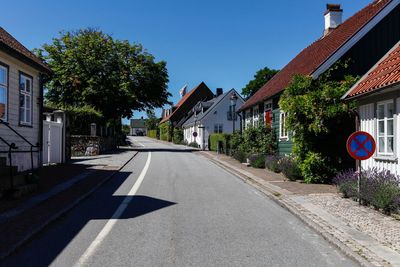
[234, 99]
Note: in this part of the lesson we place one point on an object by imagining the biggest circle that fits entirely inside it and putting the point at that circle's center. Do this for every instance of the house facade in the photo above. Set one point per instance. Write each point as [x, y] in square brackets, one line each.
[21, 99]
[372, 31]
[212, 116]
[378, 97]
[175, 117]
[138, 127]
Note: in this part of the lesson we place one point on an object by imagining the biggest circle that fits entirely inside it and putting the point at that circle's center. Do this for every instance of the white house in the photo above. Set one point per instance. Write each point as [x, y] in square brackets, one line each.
[138, 127]
[378, 96]
[21, 99]
[213, 116]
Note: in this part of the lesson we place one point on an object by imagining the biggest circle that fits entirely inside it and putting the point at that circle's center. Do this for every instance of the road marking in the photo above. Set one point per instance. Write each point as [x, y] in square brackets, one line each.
[117, 214]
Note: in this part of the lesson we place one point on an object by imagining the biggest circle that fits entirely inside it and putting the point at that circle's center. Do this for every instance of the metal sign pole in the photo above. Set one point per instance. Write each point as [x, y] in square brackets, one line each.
[359, 181]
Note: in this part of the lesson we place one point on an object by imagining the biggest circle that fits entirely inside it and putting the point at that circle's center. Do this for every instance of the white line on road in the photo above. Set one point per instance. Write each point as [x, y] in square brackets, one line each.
[117, 214]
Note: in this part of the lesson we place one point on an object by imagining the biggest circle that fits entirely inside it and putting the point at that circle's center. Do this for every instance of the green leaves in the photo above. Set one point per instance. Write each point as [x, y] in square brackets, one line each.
[114, 77]
[260, 78]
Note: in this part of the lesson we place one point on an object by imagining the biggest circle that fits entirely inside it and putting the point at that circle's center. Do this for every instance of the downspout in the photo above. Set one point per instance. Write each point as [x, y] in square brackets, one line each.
[240, 116]
[40, 141]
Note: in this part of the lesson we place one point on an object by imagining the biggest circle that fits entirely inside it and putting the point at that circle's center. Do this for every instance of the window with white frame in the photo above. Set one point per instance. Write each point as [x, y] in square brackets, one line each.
[25, 103]
[385, 120]
[249, 118]
[255, 116]
[3, 92]
[218, 128]
[283, 133]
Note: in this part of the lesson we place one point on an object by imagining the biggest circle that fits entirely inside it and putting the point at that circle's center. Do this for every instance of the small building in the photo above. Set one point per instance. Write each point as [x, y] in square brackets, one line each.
[378, 95]
[138, 127]
[361, 40]
[22, 75]
[179, 113]
[212, 116]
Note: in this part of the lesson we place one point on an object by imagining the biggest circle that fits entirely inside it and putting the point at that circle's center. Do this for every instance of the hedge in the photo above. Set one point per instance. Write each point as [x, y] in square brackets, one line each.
[178, 136]
[152, 134]
[215, 138]
[166, 132]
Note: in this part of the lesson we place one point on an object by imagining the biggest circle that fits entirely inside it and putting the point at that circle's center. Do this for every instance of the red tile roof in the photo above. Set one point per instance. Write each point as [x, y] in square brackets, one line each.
[10, 42]
[180, 102]
[384, 74]
[309, 60]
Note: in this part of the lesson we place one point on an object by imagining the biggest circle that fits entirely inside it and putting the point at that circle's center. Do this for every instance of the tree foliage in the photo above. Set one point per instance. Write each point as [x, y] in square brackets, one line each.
[260, 78]
[114, 77]
[152, 121]
[319, 120]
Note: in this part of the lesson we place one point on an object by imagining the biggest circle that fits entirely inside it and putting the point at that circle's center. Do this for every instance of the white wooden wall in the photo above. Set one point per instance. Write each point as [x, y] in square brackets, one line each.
[23, 161]
[369, 124]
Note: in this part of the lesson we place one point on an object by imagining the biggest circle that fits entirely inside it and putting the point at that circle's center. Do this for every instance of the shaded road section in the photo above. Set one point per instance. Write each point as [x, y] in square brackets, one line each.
[186, 212]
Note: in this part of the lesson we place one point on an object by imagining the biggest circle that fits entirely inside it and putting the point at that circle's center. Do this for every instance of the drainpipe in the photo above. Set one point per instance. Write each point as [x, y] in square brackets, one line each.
[40, 141]
[240, 116]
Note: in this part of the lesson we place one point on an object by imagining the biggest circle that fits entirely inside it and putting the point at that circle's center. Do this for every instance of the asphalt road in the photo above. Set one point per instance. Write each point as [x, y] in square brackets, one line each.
[171, 207]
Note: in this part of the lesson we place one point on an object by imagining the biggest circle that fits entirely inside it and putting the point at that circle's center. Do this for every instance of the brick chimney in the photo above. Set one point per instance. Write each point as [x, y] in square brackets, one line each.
[333, 17]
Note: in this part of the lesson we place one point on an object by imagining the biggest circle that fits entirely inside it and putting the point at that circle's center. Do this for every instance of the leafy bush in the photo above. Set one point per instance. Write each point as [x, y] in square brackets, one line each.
[377, 188]
[236, 139]
[315, 168]
[216, 138]
[259, 140]
[240, 155]
[152, 133]
[166, 131]
[346, 181]
[257, 161]
[194, 144]
[178, 136]
[272, 163]
[290, 168]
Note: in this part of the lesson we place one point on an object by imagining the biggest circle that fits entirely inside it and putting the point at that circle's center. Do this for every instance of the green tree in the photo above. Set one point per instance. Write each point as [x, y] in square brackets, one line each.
[260, 78]
[152, 121]
[126, 129]
[114, 77]
[320, 123]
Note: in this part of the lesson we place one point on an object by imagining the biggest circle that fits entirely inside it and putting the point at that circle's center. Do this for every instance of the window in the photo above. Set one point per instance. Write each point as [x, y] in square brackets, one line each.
[255, 116]
[385, 127]
[25, 103]
[249, 118]
[268, 113]
[3, 92]
[218, 128]
[283, 133]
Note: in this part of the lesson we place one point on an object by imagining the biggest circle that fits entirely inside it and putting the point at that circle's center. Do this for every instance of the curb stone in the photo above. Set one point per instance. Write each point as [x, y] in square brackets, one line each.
[284, 203]
[67, 208]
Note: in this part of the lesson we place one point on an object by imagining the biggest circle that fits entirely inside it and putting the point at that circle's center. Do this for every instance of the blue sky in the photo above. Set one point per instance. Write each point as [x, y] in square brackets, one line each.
[222, 43]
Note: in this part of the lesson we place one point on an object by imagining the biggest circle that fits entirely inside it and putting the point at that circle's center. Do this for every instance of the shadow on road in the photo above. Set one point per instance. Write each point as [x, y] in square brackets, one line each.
[173, 150]
[48, 244]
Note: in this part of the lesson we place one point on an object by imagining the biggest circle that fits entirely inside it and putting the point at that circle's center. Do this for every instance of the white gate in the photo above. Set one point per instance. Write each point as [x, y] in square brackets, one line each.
[52, 142]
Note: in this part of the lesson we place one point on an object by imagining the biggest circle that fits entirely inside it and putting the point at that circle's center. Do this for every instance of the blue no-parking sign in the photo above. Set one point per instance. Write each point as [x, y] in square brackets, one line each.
[361, 145]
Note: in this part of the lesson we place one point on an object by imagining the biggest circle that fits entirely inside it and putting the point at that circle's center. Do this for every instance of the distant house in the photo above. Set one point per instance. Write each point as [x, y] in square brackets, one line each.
[212, 116]
[378, 96]
[179, 113]
[21, 101]
[138, 127]
[362, 39]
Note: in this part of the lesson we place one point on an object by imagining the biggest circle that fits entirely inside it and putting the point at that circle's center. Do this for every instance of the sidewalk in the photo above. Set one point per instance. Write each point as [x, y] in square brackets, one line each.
[362, 233]
[72, 183]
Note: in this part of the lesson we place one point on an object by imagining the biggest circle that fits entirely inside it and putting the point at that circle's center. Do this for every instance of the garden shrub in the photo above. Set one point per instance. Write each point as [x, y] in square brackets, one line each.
[272, 163]
[290, 168]
[259, 140]
[379, 189]
[178, 136]
[216, 138]
[236, 140]
[346, 181]
[257, 161]
[240, 155]
[166, 131]
[152, 134]
[194, 144]
[316, 169]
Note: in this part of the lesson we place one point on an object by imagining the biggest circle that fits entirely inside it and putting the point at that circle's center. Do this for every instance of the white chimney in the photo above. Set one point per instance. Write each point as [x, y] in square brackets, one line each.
[333, 17]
